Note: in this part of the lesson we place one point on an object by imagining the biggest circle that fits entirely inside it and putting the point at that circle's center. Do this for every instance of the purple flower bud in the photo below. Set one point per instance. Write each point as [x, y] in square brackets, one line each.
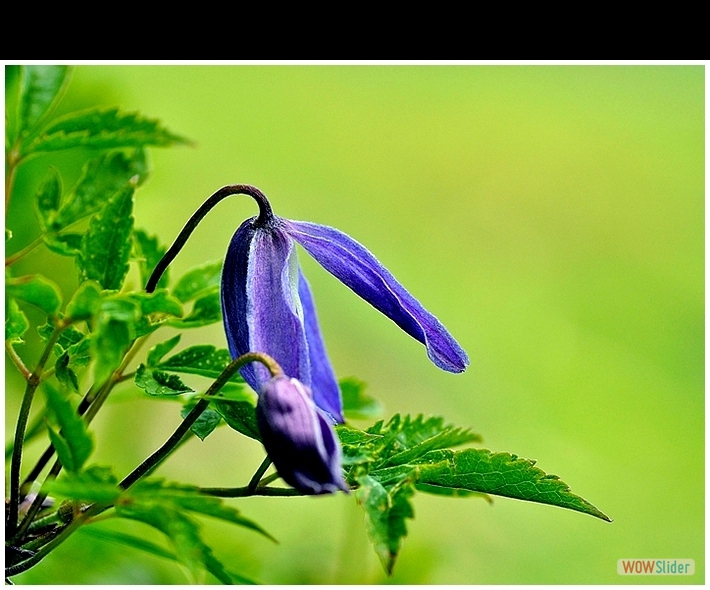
[299, 438]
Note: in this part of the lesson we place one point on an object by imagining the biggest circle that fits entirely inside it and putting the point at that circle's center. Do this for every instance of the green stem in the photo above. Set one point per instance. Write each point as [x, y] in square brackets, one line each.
[169, 446]
[254, 482]
[15, 468]
[247, 491]
[22, 253]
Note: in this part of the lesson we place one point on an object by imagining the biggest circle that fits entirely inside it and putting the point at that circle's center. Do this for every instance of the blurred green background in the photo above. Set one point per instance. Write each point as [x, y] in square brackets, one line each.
[551, 217]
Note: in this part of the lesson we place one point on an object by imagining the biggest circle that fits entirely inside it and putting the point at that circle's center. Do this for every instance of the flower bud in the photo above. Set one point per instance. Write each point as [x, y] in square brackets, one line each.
[299, 438]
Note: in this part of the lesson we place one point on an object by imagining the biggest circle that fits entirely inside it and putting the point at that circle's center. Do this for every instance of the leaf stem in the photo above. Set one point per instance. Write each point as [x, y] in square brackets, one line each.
[17, 361]
[24, 251]
[15, 468]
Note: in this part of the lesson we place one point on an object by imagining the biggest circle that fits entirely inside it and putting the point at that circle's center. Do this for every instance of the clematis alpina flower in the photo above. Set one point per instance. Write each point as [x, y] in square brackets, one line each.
[268, 306]
[298, 437]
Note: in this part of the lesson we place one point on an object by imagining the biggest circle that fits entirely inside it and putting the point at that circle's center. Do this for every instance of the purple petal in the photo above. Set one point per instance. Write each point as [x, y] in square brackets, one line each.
[357, 267]
[260, 303]
[326, 392]
[298, 438]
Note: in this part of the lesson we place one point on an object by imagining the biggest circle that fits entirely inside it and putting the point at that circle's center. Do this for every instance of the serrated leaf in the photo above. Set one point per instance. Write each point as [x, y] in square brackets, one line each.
[500, 474]
[102, 178]
[205, 423]
[95, 484]
[358, 405]
[201, 359]
[35, 290]
[40, 87]
[79, 442]
[148, 251]
[206, 310]
[199, 280]
[16, 323]
[104, 128]
[385, 514]
[106, 246]
[357, 446]
[451, 492]
[63, 244]
[240, 416]
[47, 199]
[158, 383]
[156, 354]
[86, 301]
[64, 374]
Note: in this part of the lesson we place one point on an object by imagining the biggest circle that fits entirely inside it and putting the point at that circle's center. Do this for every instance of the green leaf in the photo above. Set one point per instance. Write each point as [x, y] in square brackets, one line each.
[158, 302]
[240, 416]
[41, 85]
[500, 474]
[451, 492]
[79, 442]
[206, 310]
[113, 335]
[106, 246]
[86, 301]
[156, 354]
[104, 129]
[163, 506]
[191, 499]
[148, 252]
[205, 423]
[201, 359]
[63, 244]
[357, 405]
[385, 514]
[199, 280]
[47, 199]
[80, 353]
[405, 439]
[211, 565]
[68, 338]
[35, 290]
[159, 383]
[128, 540]
[16, 323]
[102, 178]
[64, 374]
[95, 484]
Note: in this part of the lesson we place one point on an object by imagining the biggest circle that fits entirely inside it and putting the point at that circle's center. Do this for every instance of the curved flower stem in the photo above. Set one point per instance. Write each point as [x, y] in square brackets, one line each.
[169, 446]
[15, 467]
[266, 215]
[254, 482]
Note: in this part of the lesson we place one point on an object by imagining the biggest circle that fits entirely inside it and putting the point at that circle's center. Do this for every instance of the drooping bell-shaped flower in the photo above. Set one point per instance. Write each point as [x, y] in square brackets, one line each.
[268, 306]
[298, 437]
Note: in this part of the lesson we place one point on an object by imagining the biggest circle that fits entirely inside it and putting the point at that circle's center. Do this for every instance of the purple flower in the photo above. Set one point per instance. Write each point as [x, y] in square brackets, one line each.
[298, 437]
[268, 306]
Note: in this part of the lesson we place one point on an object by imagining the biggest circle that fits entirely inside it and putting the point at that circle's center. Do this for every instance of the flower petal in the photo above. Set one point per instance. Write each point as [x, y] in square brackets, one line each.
[261, 308]
[298, 438]
[324, 385]
[357, 267]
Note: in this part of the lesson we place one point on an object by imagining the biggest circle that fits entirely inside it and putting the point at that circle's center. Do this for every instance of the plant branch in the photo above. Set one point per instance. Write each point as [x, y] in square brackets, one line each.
[24, 251]
[254, 482]
[246, 492]
[15, 468]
